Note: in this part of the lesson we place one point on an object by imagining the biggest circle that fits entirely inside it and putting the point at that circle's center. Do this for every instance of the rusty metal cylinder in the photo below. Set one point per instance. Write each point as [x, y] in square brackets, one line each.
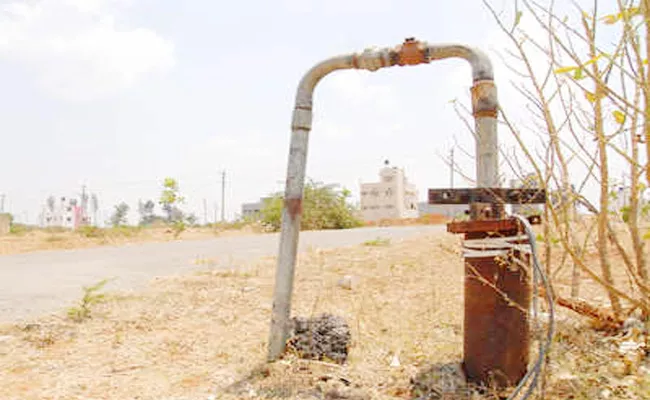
[497, 300]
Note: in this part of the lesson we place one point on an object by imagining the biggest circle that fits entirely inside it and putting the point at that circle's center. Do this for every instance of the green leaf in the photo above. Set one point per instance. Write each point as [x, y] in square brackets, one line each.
[646, 236]
[619, 116]
[590, 96]
[611, 19]
[596, 58]
[98, 286]
[578, 74]
[563, 70]
[517, 19]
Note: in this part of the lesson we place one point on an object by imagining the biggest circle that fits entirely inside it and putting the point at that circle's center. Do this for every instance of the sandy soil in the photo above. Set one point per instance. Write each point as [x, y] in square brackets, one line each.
[203, 336]
[42, 240]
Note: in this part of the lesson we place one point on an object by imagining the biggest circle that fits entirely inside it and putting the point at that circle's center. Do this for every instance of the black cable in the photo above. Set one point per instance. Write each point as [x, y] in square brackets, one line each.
[533, 374]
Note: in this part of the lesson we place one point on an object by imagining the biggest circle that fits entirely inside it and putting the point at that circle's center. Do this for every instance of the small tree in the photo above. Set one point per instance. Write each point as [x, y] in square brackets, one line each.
[119, 214]
[51, 203]
[191, 219]
[170, 199]
[323, 208]
[146, 211]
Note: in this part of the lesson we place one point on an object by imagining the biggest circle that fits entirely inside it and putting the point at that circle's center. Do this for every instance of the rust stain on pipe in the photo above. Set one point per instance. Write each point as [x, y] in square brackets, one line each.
[497, 298]
[294, 206]
[484, 99]
[411, 52]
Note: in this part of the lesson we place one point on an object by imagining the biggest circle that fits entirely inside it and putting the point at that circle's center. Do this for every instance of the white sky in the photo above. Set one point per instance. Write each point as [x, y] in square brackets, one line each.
[118, 94]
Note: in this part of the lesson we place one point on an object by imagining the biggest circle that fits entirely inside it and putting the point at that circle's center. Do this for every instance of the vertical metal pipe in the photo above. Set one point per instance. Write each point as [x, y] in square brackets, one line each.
[497, 299]
[485, 109]
[290, 230]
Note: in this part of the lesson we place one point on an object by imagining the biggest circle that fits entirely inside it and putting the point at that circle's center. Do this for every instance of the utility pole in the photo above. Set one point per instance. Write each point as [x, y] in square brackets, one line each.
[216, 211]
[2, 203]
[205, 211]
[451, 169]
[223, 195]
[84, 201]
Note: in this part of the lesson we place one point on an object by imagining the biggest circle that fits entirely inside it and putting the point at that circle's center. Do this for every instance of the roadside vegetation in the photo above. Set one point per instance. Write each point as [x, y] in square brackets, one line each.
[584, 76]
[404, 310]
[323, 207]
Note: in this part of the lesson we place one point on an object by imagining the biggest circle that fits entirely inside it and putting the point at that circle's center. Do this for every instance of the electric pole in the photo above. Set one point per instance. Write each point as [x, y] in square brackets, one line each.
[84, 200]
[223, 195]
[205, 211]
[2, 203]
[451, 169]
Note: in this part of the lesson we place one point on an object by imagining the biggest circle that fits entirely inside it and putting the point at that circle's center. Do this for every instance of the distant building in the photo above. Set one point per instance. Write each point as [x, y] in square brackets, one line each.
[66, 213]
[393, 197]
[621, 199]
[253, 210]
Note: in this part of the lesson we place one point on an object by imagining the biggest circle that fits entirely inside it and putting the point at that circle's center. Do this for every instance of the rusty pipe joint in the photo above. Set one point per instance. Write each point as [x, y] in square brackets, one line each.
[373, 59]
[411, 52]
[484, 99]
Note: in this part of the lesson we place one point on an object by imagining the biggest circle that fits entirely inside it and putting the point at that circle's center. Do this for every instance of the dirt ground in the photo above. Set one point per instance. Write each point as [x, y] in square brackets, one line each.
[43, 240]
[29, 240]
[203, 336]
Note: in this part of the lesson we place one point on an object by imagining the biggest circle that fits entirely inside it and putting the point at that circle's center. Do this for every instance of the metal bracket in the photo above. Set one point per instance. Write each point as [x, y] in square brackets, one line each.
[487, 195]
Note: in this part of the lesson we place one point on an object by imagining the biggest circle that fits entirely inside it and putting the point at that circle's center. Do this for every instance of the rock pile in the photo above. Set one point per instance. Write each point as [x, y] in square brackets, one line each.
[324, 338]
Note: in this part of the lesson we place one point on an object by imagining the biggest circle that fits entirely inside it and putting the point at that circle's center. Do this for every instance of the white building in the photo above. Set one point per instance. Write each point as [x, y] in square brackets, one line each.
[393, 197]
[251, 210]
[66, 213]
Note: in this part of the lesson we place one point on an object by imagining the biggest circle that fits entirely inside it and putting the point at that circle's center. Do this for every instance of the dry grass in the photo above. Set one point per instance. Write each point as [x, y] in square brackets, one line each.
[26, 240]
[205, 335]
[44, 240]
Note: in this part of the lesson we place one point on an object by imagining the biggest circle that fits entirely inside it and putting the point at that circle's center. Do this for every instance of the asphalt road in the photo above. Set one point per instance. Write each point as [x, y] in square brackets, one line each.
[39, 283]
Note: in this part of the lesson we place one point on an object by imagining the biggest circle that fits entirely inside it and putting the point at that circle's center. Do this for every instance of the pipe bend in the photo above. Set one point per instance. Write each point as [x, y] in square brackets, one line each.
[374, 59]
[478, 60]
[370, 59]
[318, 72]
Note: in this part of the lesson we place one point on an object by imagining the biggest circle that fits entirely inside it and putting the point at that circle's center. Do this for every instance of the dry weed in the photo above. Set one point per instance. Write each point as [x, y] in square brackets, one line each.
[204, 336]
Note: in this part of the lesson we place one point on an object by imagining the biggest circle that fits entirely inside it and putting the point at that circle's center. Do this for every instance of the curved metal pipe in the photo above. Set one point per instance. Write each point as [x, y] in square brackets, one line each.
[411, 52]
[477, 59]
